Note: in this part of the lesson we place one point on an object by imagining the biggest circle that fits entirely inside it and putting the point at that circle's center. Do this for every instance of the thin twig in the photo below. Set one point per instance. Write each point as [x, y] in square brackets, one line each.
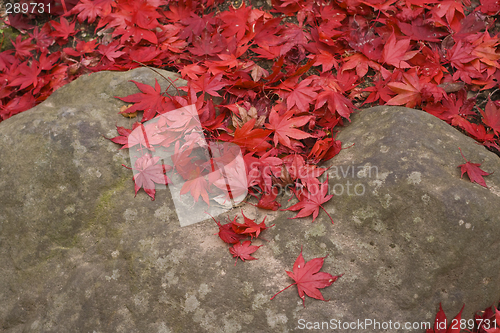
[171, 83]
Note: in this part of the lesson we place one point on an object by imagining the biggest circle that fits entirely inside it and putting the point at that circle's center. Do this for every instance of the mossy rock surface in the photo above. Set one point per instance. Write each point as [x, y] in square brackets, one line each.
[80, 253]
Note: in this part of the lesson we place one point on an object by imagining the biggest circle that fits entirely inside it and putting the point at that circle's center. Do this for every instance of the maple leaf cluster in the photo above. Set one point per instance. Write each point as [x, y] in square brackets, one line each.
[233, 232]
[309, 279]
[277, 89]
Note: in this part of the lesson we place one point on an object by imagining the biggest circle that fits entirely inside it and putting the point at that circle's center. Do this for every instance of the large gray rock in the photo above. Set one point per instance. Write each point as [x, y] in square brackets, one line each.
[80, 254]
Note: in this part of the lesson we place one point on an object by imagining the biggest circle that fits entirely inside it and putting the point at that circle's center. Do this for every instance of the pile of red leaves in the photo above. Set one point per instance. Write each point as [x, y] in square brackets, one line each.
[275, 83]
[233, 232]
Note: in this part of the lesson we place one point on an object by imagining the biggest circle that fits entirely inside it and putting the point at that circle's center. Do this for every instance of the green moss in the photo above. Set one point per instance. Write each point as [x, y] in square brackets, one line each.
[106, 204]
[7, 35]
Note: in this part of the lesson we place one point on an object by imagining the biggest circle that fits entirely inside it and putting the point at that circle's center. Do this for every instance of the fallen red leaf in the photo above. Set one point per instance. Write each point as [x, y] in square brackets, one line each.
[284, 127]
[253, 139]
[149, 173]
[197, 185]
[250, 228]
[308, 278]
[268, 201]
[227, 234]
[473, 171]
[310, 203]
[243, 251]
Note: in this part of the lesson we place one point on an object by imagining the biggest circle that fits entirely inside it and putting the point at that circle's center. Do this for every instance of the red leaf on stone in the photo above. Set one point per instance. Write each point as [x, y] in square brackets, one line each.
[302, 95]
[311, 202]
[149, 173]
[150, 100]
[250, 228]
[308, 278]
[197, 185]
[268, 201]
[208, 84]
[254, 139]
[395, 52]
[243, 251]
[409, 91]
[473, 171]
[227, 234]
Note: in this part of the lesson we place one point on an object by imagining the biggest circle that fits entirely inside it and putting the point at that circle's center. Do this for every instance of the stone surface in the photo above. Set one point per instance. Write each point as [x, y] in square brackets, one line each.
[80, 254]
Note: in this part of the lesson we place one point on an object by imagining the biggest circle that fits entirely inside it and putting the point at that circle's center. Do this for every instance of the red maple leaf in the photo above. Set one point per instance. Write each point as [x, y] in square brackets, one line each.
[452, 10]
[420, 31]
[23, 47]
[29, 75]
[63, 29]
[243, 251]
[250, 227]
[301, 95]
[268, 201]
[231, 179]
[197, 185]
[235, 21]
[149, 173]
[440, 323]
[111, 51]
[311, 202]
[150, 100]
[208, 84]
[325, 59]
[284, 127]
[192, 71]
[409, 91]
[473, 171]
[361, 63]
[208, 45]
[89, 10]
[227, 234]
[332, 89]
[453, 106]
[253, 139]
[309, 279]
[325, 149]
[122, 139]
[16, 105]
[460, 54]
[395, 52]
[491, 116]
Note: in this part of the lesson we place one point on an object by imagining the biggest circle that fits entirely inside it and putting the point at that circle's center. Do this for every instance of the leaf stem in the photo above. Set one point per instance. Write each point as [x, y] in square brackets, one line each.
[462, 154]
[326, 213]
[283, 290]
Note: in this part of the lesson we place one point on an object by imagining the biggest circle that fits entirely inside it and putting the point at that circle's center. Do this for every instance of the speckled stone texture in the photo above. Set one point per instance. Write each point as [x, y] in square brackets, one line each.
[80, 254]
